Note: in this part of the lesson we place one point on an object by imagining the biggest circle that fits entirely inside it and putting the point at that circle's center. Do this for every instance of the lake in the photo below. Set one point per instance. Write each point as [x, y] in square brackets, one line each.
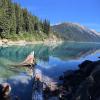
[52, 60]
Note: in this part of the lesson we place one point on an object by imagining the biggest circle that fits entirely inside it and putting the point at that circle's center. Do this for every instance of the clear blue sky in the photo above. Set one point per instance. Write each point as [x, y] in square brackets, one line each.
[85, 12]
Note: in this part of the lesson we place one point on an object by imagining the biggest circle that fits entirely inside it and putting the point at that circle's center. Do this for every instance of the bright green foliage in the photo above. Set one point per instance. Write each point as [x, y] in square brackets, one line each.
[15, 21]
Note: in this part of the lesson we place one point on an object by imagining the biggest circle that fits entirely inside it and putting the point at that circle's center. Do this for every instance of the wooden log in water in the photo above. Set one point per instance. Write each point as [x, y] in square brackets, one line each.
[37, 93]
[37, 89]
[21, 65]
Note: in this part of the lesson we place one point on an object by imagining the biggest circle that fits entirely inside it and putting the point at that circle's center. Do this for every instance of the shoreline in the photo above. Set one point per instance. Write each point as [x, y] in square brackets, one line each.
[5, 42]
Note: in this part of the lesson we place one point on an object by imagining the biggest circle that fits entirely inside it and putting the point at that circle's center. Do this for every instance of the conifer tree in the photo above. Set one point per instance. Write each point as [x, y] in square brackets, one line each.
[46, 27]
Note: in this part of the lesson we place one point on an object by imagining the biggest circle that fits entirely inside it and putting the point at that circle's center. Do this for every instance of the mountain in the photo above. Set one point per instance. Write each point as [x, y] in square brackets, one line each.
[75, 32]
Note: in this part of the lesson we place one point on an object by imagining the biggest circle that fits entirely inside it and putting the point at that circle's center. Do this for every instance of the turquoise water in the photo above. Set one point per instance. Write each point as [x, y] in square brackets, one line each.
[52, 60]
[49, 57]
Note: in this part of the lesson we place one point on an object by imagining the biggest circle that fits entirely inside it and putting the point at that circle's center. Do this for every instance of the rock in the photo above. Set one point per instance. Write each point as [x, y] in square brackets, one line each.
[82, 84]
[83, 67]
[5, 90]
[84, 64]
[4, 41]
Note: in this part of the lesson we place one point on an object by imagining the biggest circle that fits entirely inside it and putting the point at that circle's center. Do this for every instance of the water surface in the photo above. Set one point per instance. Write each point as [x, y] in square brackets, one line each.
[52, 60]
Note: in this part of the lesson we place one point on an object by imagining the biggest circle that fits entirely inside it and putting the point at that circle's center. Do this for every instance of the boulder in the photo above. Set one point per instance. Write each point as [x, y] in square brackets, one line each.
[5, 90]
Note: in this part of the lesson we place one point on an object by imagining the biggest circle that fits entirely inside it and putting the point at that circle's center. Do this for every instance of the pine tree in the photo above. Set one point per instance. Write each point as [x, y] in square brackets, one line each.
[18, 18]
[12, 17]
[46, 27]
[26, 20]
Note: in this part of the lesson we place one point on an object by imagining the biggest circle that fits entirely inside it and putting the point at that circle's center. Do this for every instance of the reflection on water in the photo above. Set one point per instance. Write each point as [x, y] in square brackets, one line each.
[51, 60]
[22, 86]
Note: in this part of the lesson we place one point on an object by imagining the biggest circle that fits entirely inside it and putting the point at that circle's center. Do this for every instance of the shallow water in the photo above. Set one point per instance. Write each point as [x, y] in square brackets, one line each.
[52, 60]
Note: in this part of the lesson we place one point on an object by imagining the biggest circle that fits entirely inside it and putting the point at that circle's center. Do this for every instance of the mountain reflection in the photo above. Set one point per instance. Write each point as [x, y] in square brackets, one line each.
[45, 54]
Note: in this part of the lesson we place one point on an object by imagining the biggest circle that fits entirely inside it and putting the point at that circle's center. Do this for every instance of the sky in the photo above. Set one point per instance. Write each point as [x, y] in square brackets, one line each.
[84, 12]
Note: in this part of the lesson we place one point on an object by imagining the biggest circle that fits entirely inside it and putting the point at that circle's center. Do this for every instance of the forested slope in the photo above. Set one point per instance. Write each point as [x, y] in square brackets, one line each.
[17, 22]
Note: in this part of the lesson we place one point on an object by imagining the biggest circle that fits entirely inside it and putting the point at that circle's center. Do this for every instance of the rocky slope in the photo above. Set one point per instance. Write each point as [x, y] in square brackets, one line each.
[75, 32]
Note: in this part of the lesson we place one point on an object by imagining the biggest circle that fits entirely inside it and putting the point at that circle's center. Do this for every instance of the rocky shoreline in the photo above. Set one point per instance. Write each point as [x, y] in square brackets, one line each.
[5, 42]
[81, 84]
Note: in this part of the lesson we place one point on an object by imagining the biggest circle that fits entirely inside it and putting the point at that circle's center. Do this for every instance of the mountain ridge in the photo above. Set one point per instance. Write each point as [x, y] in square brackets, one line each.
[75, 32]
